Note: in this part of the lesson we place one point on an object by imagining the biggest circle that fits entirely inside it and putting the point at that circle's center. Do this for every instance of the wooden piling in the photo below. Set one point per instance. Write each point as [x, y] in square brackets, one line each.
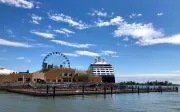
[104, 89]
[132, 89]
[54, 89]
[111, 89]
[159, 89]
[47, 90]
[177, 89]
[83, 89]
[148, 89]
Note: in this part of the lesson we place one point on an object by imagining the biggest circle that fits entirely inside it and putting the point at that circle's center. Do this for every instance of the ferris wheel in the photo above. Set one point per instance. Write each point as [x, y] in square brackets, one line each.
[56, 60]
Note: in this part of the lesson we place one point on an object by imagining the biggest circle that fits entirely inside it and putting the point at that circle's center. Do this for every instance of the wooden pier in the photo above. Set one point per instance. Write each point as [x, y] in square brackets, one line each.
[82, 89]
[61, 93]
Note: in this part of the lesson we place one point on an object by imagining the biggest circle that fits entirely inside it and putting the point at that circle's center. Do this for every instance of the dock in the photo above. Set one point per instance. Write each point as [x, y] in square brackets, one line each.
[82, 89]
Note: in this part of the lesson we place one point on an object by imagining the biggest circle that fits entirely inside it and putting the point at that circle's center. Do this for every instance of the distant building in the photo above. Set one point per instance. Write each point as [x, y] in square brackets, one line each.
[52, 75]
[101, 68]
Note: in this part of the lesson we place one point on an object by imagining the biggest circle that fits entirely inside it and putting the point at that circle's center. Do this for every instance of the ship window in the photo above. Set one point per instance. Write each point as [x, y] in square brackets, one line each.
[98, 71]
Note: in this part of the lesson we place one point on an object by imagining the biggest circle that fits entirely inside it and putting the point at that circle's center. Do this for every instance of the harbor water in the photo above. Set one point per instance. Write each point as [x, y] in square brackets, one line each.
[144, 102]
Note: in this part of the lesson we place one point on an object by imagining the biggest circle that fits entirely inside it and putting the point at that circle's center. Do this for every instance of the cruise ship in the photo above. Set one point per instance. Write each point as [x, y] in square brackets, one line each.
[101, 68]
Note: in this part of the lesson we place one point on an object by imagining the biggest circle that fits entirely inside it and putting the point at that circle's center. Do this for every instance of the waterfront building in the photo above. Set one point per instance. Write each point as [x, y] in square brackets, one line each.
[57, 71]
[102, 69]
[16, 77]
[52, 75]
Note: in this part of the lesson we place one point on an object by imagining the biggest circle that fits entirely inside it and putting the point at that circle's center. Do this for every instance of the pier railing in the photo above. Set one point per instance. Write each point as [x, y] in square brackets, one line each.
[82, 88]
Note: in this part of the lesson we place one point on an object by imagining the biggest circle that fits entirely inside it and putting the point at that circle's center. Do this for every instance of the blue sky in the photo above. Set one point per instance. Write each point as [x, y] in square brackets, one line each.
[140, 39]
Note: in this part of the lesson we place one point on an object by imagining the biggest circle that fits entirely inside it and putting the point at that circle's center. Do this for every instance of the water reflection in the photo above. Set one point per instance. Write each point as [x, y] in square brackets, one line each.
[144, 102]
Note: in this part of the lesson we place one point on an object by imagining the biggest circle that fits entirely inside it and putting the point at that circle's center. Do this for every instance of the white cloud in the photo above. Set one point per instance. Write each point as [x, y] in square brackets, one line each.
[115, 56]
[98, 13]
[64, 31]
[19, 3]
[2, 58]
[20, 58]
[42, 34]
[43, 54]
[139, 15]
[49, 26]
[23, 58]
[28, 61]
[125, 45]
[176, 71]
[67, 19]
[160, 14]
[174, 39]
[87, 53]
[115, 21]
[108, 52]
[5, 71]
[72, 44]
[43, 45]
[9, 31]
[132, 15]
[59, 31]
[35, 19]
[135, 15]
[37, 5]
[79, 66]
[70, 54]
[126, 39]
[138, 30]
[11, 43]
[144, 34]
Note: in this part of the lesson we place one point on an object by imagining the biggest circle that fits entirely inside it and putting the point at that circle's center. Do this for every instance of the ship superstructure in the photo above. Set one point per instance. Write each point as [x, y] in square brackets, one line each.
[101, 68]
